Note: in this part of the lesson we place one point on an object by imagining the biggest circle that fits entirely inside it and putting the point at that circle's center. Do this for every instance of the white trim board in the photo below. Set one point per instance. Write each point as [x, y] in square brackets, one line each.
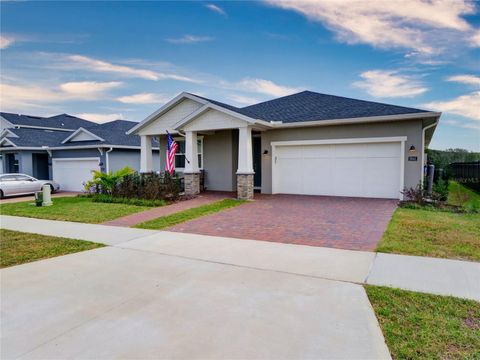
[76, 159]
[339, 141]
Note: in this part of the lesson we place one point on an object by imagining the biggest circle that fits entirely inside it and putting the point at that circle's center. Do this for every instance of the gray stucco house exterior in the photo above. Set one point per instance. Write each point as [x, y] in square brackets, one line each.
[66, 148]
[305, 143]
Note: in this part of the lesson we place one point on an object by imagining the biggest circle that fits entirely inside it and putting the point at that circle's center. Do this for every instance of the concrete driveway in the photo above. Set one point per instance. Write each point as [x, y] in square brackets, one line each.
[134, 302]
[337, 222]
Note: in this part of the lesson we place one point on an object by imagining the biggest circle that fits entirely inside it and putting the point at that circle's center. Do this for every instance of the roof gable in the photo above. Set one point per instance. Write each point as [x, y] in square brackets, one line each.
[82, 135]
[168, 115]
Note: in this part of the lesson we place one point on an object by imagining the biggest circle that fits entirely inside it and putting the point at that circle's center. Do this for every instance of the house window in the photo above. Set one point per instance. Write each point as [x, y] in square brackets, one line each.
[180, 155]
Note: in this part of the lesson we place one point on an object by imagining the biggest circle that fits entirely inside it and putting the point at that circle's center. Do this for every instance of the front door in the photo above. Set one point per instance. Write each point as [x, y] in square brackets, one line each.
[257, 161]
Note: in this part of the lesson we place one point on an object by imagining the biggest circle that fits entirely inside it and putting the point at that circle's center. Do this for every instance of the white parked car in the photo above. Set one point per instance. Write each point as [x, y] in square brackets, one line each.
[22, 184]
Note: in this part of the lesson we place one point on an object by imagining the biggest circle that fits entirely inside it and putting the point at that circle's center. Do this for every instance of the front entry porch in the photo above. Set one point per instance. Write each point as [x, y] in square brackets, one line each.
[230, 159]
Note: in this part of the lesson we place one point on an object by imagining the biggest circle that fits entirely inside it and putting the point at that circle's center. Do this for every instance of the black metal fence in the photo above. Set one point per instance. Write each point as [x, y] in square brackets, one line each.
[465, 171]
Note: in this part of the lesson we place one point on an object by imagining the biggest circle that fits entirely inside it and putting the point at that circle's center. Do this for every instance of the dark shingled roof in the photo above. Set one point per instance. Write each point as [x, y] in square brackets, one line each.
[113, 133]
[28, 137]
[62, 121]
[312, 106]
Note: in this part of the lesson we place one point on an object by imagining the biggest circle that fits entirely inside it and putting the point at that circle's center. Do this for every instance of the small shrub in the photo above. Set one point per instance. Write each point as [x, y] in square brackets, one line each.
[104, 198]
[440, 190]
[416, 195]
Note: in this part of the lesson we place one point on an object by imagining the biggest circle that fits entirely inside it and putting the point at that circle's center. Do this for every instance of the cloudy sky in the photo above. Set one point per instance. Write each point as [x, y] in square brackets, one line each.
[109, 60]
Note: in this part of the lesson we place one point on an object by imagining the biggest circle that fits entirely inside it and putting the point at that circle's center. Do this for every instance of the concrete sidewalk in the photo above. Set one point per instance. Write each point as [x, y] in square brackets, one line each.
[437, 276]
[108, 235]
[118, 303]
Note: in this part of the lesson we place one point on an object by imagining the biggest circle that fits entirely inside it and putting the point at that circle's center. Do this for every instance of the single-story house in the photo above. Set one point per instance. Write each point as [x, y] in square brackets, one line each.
[305, 143]
[66, 148]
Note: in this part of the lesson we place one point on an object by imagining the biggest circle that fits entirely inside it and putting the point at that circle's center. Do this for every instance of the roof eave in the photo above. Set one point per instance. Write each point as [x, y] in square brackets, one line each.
[369, 119]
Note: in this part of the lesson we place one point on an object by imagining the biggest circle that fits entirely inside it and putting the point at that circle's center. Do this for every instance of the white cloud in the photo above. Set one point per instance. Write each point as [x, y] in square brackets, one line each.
[475, 39]
[415, 24]
[382, 83]
[6, 41]
[88, 89]
[243, 100]
[99, 118]
[264, 87]
[20, 96]
[190, 39]
[461, 124]
[144, 98]
[465, 79]
[216, 9]
[466, 105]
[128, 71]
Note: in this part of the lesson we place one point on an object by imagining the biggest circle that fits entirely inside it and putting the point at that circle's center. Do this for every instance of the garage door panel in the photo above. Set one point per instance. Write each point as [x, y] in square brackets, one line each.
[348, 176]
[382, 177]
[316, 176]
[72, 174]
[350, 150]
[382, 150]
[295, 152]
[357, 170]
[292, 171]
[316, 151]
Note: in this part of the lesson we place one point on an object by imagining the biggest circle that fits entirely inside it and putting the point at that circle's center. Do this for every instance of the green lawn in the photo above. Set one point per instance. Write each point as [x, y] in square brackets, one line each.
[18, 247]
[424, 326]
[190, 214]
[80, 209]
[460, 195]
[432, 233]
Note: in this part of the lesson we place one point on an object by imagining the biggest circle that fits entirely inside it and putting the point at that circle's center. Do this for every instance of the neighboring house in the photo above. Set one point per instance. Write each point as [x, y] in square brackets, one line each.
[305, 143]
[66, 148]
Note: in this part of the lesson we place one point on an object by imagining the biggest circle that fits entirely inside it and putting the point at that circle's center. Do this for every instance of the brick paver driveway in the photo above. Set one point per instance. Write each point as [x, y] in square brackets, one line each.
[338, 222]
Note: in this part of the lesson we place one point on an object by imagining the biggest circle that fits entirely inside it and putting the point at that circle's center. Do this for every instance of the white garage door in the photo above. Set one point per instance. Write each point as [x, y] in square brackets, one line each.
[71, 174]
[358, 170]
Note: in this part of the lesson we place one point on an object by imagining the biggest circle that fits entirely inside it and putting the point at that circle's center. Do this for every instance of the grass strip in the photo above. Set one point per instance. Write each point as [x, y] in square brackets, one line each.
[18, 247]
[432, 233]
[425, 326]
[190, 214]
[79, 209]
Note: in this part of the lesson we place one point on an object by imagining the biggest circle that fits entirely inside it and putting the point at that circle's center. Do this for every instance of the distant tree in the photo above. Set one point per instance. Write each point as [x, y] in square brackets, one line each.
[442, 158]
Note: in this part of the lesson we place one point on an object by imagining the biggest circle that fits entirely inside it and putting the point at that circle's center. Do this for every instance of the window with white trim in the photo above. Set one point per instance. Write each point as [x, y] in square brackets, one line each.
[180, 155]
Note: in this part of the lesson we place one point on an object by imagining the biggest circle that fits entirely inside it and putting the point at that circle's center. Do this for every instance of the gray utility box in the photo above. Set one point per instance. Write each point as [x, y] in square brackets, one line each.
[38, 198]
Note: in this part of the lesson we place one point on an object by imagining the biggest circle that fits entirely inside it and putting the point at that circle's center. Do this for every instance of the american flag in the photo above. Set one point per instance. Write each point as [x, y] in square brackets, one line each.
[172, 147]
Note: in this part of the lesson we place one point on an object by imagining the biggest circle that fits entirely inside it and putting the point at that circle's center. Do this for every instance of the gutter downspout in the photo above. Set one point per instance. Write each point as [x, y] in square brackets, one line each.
[107, 164]
[423, 147]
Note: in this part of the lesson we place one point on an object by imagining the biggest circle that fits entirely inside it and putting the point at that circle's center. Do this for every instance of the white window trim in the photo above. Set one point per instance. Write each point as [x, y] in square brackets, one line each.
[399, 139]
[179, 169]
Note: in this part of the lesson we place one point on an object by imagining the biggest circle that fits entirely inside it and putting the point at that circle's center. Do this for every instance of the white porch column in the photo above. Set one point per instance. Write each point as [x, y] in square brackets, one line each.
[191, 173]
[191, 152]
[145, 153]
[245, 164]
[245, 155]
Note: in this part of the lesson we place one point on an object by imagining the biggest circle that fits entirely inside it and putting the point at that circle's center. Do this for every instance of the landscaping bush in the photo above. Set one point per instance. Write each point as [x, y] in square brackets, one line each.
[416, 195]
[104, 183]
[440, 190]
[149, 186]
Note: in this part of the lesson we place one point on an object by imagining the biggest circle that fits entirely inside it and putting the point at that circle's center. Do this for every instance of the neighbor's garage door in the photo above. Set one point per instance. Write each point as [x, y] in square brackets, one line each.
[358, 170]
[71, 174]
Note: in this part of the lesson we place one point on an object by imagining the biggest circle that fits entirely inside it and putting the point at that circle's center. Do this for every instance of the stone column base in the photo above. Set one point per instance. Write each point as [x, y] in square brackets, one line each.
[192, 183]
[245, 186]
